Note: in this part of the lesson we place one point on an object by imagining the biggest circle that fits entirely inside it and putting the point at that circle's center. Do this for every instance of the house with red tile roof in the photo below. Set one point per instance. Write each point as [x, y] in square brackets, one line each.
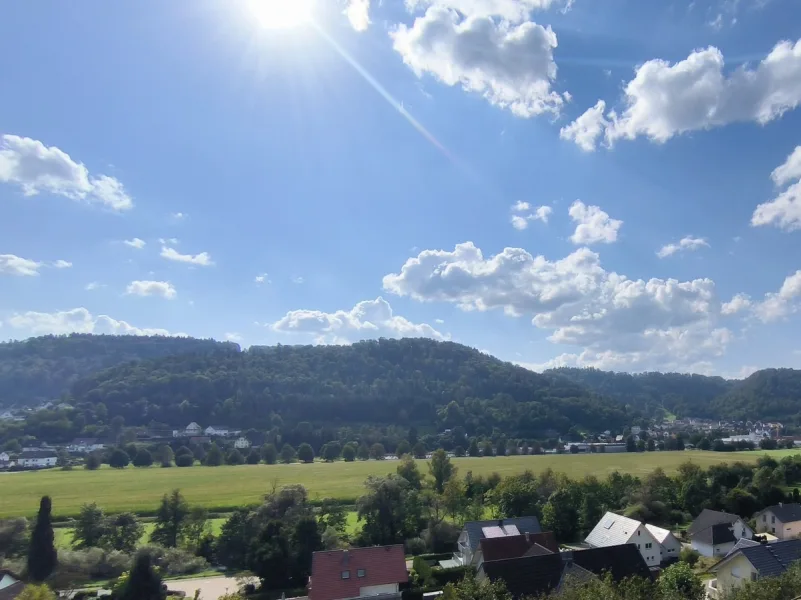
[357, 573]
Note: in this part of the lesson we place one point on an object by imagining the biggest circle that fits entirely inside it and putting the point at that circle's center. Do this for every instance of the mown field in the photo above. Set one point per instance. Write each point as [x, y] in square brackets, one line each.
[225, 488]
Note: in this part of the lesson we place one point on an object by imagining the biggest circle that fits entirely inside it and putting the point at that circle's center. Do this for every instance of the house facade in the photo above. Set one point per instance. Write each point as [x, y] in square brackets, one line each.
[781, 520]
[715, 533]
[242, 443]
[190, 430]
[669, 544]
[752, 563]
[358, 573]
[614, 530]
[85, 445]
[468, 549]
[219, 431]
[37, 459]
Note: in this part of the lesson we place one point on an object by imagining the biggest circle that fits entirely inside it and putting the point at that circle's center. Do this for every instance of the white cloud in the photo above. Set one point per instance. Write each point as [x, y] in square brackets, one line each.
[203, 259]
[594, 225]
[62, 264]
[521, 206]
[77, 320]
[738, 303]
[233, 337]
[618, 322]
[784, 211]
[685, 244]
[94, 285]
[358, 13]
[439, 321]
[520, 222]
[15, 265]
[587, 128]
[664, 100]
[263, 278]
[151, 288]
[298, 280]
[512, 66]
[542, 213]
[178, 216]
[368, 319]
[135, 243]
[778, 305]
[513, 11]
[37, 168]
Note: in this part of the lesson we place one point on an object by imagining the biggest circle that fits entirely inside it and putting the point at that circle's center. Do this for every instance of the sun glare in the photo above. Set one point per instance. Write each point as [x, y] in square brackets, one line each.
[281, 14]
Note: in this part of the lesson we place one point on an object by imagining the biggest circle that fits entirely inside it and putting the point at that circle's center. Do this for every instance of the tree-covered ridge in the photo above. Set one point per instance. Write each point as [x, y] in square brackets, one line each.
[402, 382]
[678, 393]
[44, 368]
[769, 394]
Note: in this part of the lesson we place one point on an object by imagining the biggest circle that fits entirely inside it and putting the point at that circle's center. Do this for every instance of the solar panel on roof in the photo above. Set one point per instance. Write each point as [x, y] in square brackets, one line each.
[511, 530]
[493, 532]
[609, 524]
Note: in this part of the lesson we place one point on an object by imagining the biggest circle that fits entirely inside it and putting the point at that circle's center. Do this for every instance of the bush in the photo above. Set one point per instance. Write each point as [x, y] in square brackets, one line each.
[175, 561]
[184, 460]
[422, 572]
[119, 459]
[441, 537]
[92, 563]
[689, 556]
[143, 458]
[93, 462]
[235, 457]
[415, 546]
[443, 577]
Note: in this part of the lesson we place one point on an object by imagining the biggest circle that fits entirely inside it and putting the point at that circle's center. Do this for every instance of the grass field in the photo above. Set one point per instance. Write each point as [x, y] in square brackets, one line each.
[63, 535]
[225, 488]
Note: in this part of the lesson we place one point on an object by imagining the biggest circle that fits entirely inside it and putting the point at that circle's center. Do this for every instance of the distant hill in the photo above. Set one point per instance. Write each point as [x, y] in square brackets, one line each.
[44, 368]
[394, 382]
[676, 393]
[770, 394]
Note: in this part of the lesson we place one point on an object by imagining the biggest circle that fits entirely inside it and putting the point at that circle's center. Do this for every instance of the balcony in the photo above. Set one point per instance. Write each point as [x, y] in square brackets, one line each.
[712, 591]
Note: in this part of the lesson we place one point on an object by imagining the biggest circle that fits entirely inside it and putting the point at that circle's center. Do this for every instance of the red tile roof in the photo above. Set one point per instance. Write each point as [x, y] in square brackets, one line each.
[515, 546]
[380, 565]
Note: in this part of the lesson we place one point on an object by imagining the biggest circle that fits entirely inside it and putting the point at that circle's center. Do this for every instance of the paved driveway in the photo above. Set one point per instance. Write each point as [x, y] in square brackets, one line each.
[211, 588]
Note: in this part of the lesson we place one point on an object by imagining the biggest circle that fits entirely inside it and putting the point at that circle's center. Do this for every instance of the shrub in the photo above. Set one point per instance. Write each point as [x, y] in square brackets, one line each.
[422, 572]
[235, 458]
[119, 459]
[689, 556]
[184, 460]
[175, 561]
[92, 563]
[143, 458]
[415, 546]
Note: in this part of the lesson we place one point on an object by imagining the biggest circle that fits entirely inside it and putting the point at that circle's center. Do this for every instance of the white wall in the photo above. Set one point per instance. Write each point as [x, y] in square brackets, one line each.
[642, 538]
[741, 530]
[671, 548]
[377, 590]
[702, 548]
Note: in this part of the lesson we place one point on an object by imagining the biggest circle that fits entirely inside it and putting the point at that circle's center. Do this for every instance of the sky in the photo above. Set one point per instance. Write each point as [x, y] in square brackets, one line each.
[594, 183]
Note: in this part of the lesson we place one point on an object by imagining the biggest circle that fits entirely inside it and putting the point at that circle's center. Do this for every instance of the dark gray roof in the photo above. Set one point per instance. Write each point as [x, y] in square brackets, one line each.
[38, 454]
[721, 533]
[742, 543]
[523, 524]
[527, 575]
[619, 561]
[786, 513]
[773, 559]
[708, 518]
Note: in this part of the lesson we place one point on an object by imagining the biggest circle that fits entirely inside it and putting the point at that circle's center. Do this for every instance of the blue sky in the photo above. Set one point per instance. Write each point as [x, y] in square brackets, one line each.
[609, 183]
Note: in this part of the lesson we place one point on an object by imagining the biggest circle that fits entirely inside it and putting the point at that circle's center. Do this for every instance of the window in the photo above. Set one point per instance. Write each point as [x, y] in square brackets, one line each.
[753, 576]
[638, 532]
[648, 545]
[360, 573]
[345, 574]
[638, 546]
[772, 520]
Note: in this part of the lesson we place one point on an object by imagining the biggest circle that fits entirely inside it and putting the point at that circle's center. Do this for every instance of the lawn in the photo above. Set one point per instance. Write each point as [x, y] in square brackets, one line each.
[225, 488]
[63, 535]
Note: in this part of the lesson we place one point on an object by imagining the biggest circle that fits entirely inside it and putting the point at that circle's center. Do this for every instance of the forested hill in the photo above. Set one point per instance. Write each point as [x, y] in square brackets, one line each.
[680, 394]
[770, 394]
[44, 368]
[403, 382]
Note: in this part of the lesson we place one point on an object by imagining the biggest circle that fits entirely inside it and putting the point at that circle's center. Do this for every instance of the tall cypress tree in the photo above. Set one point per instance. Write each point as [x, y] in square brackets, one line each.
[42, 556]
[143, 581]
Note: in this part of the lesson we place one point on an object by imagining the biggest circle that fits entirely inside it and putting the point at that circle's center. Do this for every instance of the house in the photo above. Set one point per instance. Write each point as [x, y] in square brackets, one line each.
[515, 546]
[542, 573]
[85, 445]
[714, 533]
[242, 443]
[191, 429]
[782, 520]
[468, 549]
[10, 585]
[752, 563]
[37, 459]
[219, 430]
[357, 573]
[614, 530]
[669, 544]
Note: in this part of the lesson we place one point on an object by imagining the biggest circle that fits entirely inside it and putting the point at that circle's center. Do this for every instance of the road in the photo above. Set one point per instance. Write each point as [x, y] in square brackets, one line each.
[211, 588]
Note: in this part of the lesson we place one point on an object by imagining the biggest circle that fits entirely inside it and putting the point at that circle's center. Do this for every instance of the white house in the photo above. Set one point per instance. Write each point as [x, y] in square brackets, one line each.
[220, 430]
[669, 544]
[37, 459]
[242, 443]
[781, 520]
[714, 533]
[85, 445]
[614, 529]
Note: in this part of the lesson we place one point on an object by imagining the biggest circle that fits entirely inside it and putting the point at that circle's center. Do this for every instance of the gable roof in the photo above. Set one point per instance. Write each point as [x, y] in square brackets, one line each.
[612, 530]
[621, 561]
[768, 559]
[380, 564]
[527, 575]
[515, 546]
[717, 534]
[708, 518]
[786, 513]
[659, 533]
[477, 530]
[742, 543]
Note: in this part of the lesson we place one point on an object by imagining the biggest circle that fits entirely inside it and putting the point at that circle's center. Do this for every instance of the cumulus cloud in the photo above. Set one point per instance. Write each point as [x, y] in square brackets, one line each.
[37, 168]
[203, 259]
[618, 322]
[135, 243]
[510, 65]
[151, 288]
[263, 278]
[778, 305]
[521, 221]
[685, 244]
[62, 264]
[738, 303]
[358, 13]
[94, 285]
[664, 100]
[784, 211]
[16, 265]
[513, 11]
[368, 319]
[594, 226]
[77, 320]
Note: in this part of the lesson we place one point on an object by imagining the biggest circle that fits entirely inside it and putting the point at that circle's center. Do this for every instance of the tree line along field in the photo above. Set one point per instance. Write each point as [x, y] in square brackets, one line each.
[224, 488]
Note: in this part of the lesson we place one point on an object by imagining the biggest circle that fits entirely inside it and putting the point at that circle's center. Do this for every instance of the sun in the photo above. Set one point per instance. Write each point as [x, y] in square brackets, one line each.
[281, 14]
